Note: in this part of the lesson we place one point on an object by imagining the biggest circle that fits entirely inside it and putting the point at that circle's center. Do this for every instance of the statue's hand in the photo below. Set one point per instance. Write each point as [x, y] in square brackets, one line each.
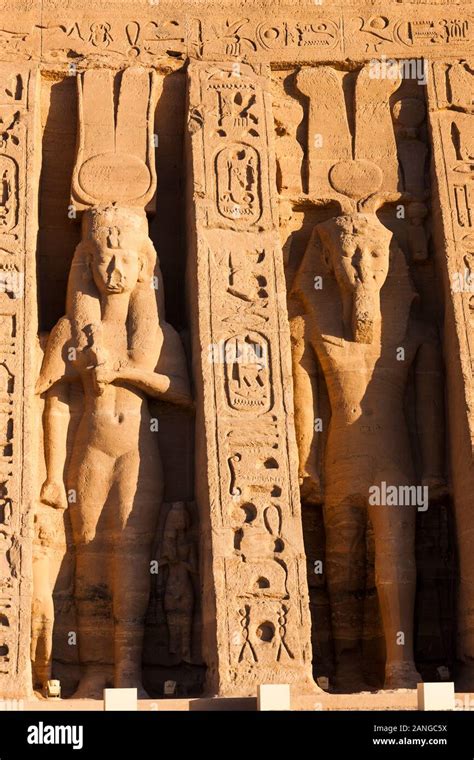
[79, 358]
[310, 485]
[102, 376]
[437, 487]
[53, 493]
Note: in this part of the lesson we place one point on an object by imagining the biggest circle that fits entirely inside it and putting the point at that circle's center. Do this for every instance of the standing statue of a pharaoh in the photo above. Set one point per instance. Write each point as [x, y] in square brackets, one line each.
[359, 321]
[115, 343]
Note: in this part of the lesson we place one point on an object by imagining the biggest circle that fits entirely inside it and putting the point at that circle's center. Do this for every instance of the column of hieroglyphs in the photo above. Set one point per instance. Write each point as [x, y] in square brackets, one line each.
[451, 106]
[255, 603]
[19, 173]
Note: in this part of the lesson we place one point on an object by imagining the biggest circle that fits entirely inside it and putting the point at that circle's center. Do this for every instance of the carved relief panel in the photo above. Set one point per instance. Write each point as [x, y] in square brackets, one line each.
[451, 116]
[19, 170]
[157, 35]
[255, 578]
[452, 121]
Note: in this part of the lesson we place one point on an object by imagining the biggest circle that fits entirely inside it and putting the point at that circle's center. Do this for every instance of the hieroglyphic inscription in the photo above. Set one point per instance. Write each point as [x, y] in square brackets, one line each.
[257, 572]
[18, 177]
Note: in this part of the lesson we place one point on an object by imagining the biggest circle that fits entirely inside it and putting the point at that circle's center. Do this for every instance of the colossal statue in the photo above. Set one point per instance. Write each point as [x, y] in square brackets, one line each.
[115, 342]
[359, 321]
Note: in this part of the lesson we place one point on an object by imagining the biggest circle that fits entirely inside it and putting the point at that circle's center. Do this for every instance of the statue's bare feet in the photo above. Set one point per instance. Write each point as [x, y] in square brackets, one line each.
[401, 675]
[91, 686]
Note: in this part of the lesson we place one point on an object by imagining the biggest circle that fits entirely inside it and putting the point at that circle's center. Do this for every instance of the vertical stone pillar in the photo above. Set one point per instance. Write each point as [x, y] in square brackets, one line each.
[19, 174]
[451, 117]
[256, 626]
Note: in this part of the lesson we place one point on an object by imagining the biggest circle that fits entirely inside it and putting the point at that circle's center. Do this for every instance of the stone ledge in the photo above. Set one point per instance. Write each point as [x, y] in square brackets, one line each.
[401, 699]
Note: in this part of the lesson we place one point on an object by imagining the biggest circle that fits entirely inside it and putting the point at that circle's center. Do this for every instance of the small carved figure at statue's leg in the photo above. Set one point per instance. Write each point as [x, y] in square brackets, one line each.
[395, 579]
[345, 526]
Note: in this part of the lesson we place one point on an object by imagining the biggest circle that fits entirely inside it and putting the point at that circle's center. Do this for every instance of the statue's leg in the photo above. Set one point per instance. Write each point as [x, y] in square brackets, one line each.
[92, 590]
[395, 579]
[305, 378]
[187, 633]
[138, 488]
[345, 525]
[42, 619]
[172, 620]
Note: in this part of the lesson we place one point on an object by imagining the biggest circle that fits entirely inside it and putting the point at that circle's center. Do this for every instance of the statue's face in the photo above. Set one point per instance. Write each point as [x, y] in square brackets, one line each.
[116, 262]
[357, 250]
[362, 262]
[179, 516]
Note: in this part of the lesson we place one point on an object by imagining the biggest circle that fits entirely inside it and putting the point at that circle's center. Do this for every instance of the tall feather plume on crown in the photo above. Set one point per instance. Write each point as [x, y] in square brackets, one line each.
[355, 165]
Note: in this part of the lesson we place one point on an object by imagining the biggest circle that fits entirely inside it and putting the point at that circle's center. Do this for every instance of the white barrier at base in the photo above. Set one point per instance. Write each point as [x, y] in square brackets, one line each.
[274, 696]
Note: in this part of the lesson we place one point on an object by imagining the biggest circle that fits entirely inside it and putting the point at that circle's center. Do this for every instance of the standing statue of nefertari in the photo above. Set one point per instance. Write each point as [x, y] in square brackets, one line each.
[115, 343]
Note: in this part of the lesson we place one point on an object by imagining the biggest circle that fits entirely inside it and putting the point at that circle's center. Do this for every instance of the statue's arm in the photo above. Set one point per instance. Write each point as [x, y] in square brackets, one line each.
[167, 382]
[175, 390]
[430, 412]
[305, 397]
[57, 364]
[55, 426]
[54, 383]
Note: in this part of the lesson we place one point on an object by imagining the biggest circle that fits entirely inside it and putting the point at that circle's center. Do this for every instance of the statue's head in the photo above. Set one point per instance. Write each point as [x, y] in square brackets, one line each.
[178, 517]
[356, 250]
[115, 256]
[118, 245]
